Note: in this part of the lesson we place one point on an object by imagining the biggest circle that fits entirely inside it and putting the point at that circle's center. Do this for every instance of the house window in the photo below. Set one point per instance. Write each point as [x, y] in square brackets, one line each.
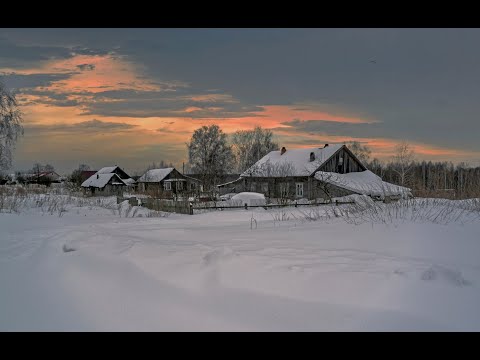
[179, 185]
[168, 186]
[283, 189]
[192, 186]
[299, 187]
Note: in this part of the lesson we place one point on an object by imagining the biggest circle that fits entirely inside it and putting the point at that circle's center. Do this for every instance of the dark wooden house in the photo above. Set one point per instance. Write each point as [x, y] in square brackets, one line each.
[121, 174]
[102, 182]
[104, 185]
[291, 173]
[167, 183]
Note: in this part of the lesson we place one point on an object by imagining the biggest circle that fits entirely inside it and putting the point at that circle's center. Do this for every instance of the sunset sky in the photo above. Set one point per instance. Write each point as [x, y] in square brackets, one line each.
[133, 96]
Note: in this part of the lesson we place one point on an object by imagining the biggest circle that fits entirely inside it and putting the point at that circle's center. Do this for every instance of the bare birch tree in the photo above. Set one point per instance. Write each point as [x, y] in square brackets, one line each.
[10, 126]
[403, 162]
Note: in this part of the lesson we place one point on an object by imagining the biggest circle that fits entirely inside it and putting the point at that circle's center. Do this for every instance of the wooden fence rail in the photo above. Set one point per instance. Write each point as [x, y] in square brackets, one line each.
[184, 207]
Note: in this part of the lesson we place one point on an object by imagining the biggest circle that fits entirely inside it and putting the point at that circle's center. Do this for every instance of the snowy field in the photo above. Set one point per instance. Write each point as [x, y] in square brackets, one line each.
[87, 267]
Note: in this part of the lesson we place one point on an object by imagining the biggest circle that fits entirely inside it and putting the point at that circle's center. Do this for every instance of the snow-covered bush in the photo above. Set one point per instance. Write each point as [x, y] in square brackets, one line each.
[250, 198]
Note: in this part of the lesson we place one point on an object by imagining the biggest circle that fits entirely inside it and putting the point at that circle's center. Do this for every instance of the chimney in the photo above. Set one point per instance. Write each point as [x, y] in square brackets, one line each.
[97, 176]
[325, 146]
[312, 156]
[283, 150]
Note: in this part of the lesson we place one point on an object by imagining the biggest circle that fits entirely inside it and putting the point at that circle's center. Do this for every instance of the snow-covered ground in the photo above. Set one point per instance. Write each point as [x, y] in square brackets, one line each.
[89, 268]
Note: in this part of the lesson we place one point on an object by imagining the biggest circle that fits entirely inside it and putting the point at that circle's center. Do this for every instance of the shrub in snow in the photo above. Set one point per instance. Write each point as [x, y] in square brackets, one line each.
[67, 248]
[355, 198]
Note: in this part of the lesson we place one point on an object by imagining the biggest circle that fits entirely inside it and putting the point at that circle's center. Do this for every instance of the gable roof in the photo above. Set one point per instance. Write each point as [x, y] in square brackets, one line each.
[107, 170]
[129, 181]
[100, 180]
[294, 162]
[155, 175]
[363, 182]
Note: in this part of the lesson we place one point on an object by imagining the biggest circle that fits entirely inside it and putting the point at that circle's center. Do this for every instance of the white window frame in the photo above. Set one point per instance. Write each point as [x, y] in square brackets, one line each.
[299, 186]
[168, 185]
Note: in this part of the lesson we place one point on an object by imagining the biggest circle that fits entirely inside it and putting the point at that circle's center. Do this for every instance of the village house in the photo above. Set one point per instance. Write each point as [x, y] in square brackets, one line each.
[111, 180]
[104, 185]
[127, 179]
[44, 177]
[168, 182]
[311, 173]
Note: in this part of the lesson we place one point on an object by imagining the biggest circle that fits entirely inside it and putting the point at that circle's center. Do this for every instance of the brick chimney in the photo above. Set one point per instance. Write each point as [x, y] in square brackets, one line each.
[283, 150]
[97, 176]
[325, 146]
[312, 156]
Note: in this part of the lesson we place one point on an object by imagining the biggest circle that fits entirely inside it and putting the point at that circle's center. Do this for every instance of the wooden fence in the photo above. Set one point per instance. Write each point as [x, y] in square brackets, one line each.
[186, 207]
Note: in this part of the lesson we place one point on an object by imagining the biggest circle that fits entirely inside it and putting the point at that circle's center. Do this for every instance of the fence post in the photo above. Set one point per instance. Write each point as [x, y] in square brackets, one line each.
[295, 203]
[246, 206]
[191, 208]
[336, 202]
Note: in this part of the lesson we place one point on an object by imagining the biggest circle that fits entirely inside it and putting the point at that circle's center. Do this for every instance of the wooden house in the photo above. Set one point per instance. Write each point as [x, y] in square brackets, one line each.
[167, 183]
[110, 180]
[121, 174]
[291, 173]
[104, 185]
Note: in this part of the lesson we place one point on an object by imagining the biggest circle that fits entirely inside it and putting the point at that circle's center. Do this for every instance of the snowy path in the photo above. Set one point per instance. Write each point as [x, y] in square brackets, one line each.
[212, 272]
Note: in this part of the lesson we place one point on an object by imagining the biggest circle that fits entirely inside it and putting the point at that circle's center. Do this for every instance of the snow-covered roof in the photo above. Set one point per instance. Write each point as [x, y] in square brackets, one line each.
[107, 170]
[363, 182]
[155, 175]
[189, 177]
[294, 162]
[129, 181]
[171, 180]
[230, 182]
[100, 180]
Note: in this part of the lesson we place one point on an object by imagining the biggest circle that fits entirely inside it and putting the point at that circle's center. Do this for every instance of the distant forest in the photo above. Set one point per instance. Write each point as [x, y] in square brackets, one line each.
[433, 179]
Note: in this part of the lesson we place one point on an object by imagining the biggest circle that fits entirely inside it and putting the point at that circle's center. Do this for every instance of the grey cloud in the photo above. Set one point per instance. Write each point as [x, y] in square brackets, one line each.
[84, 126]
[26, 83]
[158, 103]
[86, 67]
[334, 128]
[17, 56]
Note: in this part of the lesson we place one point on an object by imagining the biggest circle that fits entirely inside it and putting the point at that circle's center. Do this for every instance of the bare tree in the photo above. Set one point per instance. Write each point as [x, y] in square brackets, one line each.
[36, 171]
[76, 176]
[324, 185]
[10, 126]
[210, 155]
[403, 162]
[249, 146]
[160, 165]
[362, 152]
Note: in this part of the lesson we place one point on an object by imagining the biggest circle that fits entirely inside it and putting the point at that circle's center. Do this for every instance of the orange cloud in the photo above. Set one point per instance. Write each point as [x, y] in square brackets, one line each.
[211, 98]
[93, 74]
[107, 73]
[284, 113]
